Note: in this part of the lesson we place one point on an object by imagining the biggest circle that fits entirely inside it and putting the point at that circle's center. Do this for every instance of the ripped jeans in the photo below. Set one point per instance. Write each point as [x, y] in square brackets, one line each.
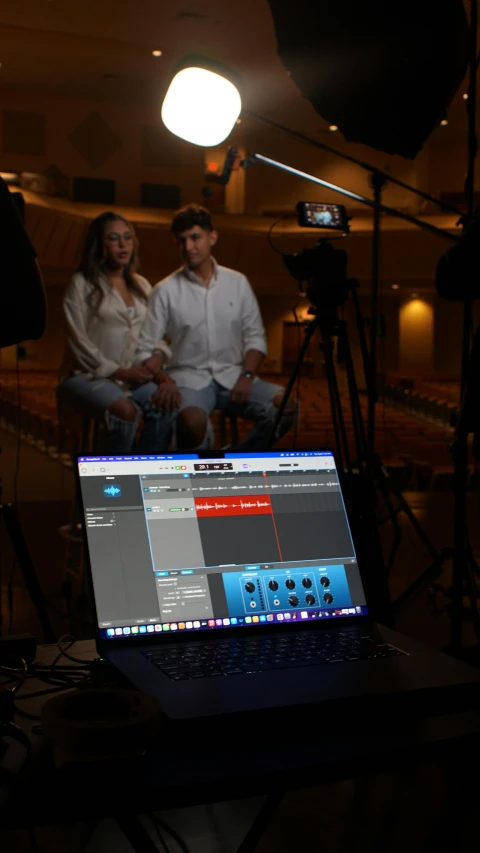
[92, 398]
[259, 409]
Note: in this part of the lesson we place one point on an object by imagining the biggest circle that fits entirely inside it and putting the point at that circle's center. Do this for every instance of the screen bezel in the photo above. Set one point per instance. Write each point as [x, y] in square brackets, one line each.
[151, 639]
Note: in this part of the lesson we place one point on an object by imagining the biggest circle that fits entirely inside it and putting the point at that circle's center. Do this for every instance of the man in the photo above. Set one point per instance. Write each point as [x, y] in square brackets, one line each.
[212, 321]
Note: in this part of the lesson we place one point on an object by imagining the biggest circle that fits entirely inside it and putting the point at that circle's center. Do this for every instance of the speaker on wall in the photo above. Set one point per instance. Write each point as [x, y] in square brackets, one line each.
[95, 190]
[160, 195]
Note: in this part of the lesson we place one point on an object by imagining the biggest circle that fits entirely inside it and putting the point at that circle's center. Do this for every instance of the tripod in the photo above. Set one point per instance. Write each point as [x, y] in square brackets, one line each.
[465, 567]
[9, 515]
[327, 321]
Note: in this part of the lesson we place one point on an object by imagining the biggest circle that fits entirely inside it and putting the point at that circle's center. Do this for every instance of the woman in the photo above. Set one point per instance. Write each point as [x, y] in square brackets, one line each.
[104, 306]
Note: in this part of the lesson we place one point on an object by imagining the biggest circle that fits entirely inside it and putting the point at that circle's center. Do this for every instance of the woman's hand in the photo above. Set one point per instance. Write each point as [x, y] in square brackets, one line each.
[133, 376]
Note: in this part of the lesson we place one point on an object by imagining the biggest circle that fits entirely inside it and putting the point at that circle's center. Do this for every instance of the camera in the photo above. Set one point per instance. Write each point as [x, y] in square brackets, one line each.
[324, 269]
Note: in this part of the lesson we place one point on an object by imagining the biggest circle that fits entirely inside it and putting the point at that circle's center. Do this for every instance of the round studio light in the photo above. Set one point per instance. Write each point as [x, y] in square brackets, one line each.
[202, 104]
[465, 96]
[444, 122]
[333, 128]
[395, 287]
[156, 52]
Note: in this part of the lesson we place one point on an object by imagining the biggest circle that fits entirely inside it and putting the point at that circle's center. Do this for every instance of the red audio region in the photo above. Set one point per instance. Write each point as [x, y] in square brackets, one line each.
[238, 505]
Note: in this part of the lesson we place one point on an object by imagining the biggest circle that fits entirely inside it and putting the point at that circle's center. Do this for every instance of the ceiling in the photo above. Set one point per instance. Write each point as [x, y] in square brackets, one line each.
[102, 50]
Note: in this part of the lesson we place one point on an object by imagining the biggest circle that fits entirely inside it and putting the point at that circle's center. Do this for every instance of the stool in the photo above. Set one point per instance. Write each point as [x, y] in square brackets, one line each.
[89, 435]
[224, 423]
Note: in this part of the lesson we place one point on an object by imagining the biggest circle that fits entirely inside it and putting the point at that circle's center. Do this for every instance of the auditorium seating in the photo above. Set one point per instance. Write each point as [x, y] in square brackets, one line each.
[437, 402]
[413, 426]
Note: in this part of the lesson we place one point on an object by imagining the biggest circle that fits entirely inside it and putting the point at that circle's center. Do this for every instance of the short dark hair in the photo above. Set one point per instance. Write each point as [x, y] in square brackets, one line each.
[189, 216]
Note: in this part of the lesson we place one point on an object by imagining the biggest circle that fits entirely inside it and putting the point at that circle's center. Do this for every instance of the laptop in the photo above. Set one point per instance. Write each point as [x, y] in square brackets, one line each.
[231, 584]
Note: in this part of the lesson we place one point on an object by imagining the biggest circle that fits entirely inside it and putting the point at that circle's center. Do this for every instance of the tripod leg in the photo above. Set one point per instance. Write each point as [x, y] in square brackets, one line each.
[343, 450]
[22, 553]
[404, 507]
[134, 830]
[424, 580]
[392, 516]
[460, 459]
[260, 824]
[309, 333]
[471, 567]
[357, 416]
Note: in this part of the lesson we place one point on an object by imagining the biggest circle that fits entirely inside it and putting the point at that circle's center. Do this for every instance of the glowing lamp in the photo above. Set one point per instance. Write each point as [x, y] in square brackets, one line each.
[203, 102]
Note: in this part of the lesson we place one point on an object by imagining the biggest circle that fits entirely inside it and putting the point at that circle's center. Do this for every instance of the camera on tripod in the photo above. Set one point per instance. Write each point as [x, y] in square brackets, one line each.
[322, 268]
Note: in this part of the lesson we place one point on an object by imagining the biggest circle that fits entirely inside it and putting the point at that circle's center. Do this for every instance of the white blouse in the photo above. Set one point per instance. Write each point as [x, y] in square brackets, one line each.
[101, 335]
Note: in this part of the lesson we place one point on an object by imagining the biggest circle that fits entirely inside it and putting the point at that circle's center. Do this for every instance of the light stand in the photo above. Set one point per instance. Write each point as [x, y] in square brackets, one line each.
[382, 208]
[465, 567]
[377, 182]
[461, 560]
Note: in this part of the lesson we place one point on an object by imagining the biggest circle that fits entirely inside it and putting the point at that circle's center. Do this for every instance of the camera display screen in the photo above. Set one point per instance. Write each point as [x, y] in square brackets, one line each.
[313, 214]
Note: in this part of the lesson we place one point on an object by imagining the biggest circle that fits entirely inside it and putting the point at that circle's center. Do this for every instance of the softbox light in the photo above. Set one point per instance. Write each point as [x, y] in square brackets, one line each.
[23, 304]
[383, 72]
[202, 103]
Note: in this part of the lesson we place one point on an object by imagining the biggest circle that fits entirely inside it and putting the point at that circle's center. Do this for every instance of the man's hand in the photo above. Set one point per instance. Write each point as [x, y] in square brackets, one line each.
[167, 397]
[134, 376]
[155, 365]
[241, 390]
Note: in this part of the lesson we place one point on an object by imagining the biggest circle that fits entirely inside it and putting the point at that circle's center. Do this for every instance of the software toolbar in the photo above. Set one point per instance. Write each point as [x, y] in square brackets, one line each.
[92, 466]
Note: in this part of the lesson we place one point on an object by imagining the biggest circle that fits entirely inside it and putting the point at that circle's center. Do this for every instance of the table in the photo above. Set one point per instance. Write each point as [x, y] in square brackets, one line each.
[196, 764]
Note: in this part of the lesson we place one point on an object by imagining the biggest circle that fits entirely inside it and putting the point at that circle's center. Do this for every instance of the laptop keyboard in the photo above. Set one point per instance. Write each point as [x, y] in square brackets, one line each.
[259, 654]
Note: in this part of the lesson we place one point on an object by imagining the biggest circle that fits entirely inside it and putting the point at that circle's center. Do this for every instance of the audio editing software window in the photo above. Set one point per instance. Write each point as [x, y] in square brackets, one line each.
[252, 542]
[204, 541]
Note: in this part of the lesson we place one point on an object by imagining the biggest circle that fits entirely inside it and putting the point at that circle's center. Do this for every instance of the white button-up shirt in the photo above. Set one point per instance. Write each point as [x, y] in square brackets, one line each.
[209, 329]
[101, 334]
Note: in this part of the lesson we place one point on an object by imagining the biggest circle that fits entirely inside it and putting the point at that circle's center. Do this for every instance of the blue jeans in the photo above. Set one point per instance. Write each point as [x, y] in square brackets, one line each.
[259, 408]
[92, 397]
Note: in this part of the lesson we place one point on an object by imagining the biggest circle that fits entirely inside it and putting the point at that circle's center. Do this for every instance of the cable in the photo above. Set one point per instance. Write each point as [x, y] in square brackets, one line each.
[15, 673]
[13, 731]
[66, 638]
[37, 693]
[172, 832]
[163, 843]
[272, 226]
[289, 216]
[47, 667]
[28, 716]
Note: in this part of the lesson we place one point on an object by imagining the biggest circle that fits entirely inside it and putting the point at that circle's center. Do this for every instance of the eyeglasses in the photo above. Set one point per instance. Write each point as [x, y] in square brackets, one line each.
[114, 237]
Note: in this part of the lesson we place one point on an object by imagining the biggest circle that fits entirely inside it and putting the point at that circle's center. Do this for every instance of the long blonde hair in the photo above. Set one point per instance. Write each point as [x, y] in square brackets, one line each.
[93, 263]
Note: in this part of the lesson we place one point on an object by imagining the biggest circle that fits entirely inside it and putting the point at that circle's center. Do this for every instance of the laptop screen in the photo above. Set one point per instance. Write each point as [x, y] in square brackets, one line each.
[183, 543]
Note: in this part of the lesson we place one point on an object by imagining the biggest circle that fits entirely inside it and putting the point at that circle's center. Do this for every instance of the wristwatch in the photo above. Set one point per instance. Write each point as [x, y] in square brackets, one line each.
[249, 374]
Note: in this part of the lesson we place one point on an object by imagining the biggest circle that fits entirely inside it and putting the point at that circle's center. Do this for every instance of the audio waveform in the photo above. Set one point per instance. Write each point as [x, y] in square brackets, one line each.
[232, 506]
[262, 486]
[112, 491]
[242, 505]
